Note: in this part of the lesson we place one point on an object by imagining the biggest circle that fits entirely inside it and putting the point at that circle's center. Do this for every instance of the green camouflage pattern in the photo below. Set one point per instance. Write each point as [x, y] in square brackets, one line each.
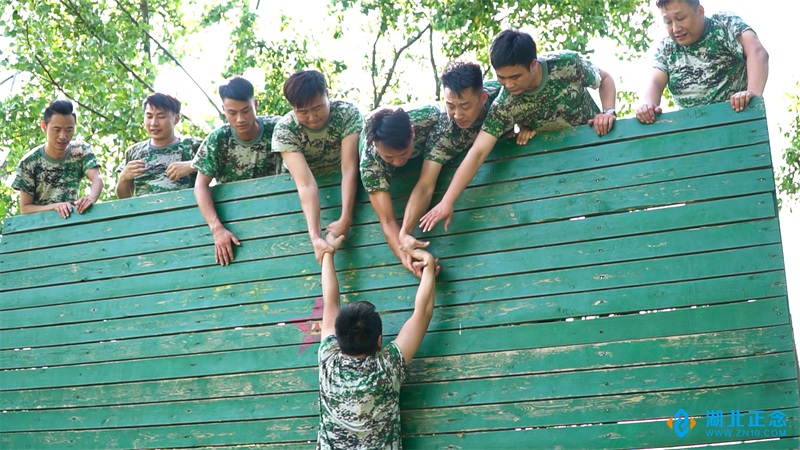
[321, 148]
[447, 140]
[376, 174]
[156, 160]
[359, 398]
[710, 70]
[224, 156]
[50, 180]
[560, 101]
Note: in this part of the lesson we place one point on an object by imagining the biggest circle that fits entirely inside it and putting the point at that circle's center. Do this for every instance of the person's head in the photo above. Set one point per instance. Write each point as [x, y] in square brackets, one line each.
[359, 329]
[463, 92]
[685, 20]
[58, 123]
[307, 92]
[390, 131]
[513, 57]
[161, 114]
[239, 106]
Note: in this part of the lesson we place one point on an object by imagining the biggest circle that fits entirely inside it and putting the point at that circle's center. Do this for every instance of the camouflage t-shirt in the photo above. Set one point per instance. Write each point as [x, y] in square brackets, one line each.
[560, 101]
[447, 140]
[709, 70]
[227, 158]
[359, 398]
[321, 148]
[50, 180]
[156, 160]
[376, 173]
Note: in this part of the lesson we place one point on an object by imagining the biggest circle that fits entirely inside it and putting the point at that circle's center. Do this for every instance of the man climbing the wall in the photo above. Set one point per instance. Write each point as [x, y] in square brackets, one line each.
[238, 150]
[359, 380]
[162, 163]
[540, 93]
[49, 176]
[704, 60]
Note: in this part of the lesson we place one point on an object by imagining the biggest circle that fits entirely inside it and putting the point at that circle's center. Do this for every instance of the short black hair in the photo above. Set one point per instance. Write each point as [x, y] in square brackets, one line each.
[163, 102]
[302, 87]
[60, 106]
[461, 74]
[358, 326]
[392, 127]
[512, 48]
[662, 3]
[237, 88]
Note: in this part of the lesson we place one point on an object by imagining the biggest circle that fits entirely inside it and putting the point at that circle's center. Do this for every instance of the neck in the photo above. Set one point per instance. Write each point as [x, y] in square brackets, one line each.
[250, 134]
[163, 142]
[53, 152]
[537, 76]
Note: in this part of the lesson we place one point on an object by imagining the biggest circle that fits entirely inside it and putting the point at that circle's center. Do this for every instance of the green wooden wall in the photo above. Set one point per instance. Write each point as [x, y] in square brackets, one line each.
[590, 288]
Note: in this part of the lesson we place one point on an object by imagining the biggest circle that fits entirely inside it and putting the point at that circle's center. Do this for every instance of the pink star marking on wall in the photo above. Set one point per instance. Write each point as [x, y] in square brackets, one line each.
[310, 326]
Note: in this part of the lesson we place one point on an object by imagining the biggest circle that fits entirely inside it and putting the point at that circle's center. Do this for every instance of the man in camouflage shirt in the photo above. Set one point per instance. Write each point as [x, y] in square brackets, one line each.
[704, 60]
[393, 136]
[238, 150]
[359, 380]
[162, 163]
[547, 93]
[49, 176]
[316, 136]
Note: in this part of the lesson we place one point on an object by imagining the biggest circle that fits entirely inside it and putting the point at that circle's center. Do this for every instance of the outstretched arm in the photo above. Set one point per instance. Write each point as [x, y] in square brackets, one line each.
[418, 202]
[382, 204]
[466, 172]
[309, 200]
[410, 336]
[330, 288]
[757, 63]
[341, 227]
[652, 96]
[608, 98]
[83, 203]
[223, 239]
[26, 206]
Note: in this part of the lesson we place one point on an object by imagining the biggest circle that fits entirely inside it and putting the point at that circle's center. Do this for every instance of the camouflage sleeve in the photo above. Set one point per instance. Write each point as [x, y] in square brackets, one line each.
[588, 73]
[500, 118]
[126, 159]
[192, 146]
[352, 121]
[733, 24]
[23, 181]
[327, 348]
[396, 362]
[89, 160]
[284, 137]
[205, 161]
[661, 56]
[442, 146]
[375, 174]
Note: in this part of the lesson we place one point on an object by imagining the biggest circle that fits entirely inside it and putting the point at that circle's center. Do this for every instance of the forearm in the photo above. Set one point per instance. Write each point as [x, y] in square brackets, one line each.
[757, 71]
[125, 188]
[418, 202]
[206, 204]
[426, 292]
[31, 208]
[349, 186]
[330, 283]
[96, 189]
[464, 175]
[608, 92]
[653, 93]
[309, 201]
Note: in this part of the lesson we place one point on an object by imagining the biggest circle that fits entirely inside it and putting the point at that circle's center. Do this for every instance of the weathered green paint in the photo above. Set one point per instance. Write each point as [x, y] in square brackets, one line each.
[569, 295]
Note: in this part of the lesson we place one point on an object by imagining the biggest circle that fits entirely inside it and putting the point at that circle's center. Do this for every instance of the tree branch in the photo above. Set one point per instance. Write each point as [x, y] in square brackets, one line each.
[375, 98]
[170, 56]
[397, 57]
[433, 66]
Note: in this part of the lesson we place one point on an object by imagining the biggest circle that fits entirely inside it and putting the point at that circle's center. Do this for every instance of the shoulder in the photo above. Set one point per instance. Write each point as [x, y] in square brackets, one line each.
[733, 25]
[269, 123]
[286, 124]
[425, 112]
[561, 57]
[80, 147]
[345, 107]
[328, 347]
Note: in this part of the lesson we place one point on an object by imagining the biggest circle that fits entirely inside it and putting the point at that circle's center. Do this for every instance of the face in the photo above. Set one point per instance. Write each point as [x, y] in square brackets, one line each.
[160, 124]
[685, 24]
[315, 114]
[59, 131]
[242, 116]
[395, 157]
[516, 79]
[468, 108]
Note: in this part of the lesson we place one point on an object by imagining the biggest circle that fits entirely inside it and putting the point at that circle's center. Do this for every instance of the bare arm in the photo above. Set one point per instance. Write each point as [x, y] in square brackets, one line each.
[341, 227]
[26, 206]
[757, 62]
[179, 169]
[480, 149]
[309, 200]
[382, 204]
[125, 186]
[652, 96]
[410, 336]
[223, 239]
[418, 202]
[608, 98]
[330, 288]
[83, 203]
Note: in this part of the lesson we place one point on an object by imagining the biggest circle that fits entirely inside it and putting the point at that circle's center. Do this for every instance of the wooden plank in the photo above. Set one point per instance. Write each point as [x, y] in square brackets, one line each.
[698, 347]
[248, 350]
[618, 225]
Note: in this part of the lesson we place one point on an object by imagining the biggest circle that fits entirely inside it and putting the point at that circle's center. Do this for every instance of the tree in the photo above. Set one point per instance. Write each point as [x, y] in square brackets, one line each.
[467, 27]
[789, 176]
